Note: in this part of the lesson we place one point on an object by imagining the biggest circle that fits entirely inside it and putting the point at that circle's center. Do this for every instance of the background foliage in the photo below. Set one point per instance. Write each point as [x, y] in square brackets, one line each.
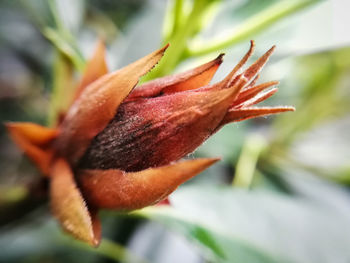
[280, 193]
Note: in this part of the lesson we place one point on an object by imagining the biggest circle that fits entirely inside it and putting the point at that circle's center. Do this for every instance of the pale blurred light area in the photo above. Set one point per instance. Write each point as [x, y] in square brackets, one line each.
[328, 22]
[341, 21]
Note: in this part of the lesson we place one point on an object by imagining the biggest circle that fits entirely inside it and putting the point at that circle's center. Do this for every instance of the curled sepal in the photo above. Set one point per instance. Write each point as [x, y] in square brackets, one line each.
[69, 207]
[34, 140]
[235, 115]
[98, 104]
[188, 80]
[116, 189]
[95, 68]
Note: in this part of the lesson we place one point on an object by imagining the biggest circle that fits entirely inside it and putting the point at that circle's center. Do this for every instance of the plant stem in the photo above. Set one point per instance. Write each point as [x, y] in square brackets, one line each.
[252, 26]
[178, 41]
[178, 14]
[247, 161]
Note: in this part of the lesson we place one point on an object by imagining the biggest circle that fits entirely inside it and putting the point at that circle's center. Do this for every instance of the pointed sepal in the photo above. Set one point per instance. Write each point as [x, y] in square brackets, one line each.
[252, 91]
[34, 140]
[235, 115]
[69, 207]
[116, 189]
[188, 80]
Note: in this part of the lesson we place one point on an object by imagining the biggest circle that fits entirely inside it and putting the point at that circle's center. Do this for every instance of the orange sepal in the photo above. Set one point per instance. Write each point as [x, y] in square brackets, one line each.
[33, 139]
[69, 207]
[116, 189]
[98, 104]
[95, 68]
[191, 79]
[33, 133]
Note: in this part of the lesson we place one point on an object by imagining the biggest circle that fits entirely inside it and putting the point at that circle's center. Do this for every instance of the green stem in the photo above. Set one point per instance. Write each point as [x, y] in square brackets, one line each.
[53, 8]
[178, 15]
[63, 88]
[247, 161]
[65, 47]
[12, 194]
[252, 26]
[63, 39]
[178, 42]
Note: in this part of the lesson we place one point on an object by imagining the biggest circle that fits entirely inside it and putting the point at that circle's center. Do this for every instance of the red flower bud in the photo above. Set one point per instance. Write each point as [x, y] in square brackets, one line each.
[120, 143]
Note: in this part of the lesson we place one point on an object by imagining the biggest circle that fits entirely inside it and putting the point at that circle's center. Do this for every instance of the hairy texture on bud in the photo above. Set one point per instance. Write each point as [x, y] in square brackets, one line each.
[97, 104]
[156, 131]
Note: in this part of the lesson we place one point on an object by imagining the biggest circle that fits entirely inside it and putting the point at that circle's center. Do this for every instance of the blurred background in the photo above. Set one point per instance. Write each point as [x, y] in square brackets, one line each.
[281, 191]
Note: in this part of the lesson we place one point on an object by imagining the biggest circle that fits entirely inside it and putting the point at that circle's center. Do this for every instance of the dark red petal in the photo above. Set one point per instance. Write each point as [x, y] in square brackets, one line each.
[115, 189]
[156, 131]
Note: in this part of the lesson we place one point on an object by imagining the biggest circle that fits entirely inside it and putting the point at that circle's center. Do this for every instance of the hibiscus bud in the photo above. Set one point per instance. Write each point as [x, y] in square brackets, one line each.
[117, 147]
[165, 120]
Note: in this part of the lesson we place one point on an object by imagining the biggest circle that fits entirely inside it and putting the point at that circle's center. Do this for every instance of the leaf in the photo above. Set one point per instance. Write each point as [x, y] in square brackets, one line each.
[98, 104]
[254, 24]
[231, 225]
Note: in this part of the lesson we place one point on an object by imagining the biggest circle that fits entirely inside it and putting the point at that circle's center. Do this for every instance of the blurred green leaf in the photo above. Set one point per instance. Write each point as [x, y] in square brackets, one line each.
[253, 25]
[324, 95]
[233, 225]
[65, 46]
[252, 148]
